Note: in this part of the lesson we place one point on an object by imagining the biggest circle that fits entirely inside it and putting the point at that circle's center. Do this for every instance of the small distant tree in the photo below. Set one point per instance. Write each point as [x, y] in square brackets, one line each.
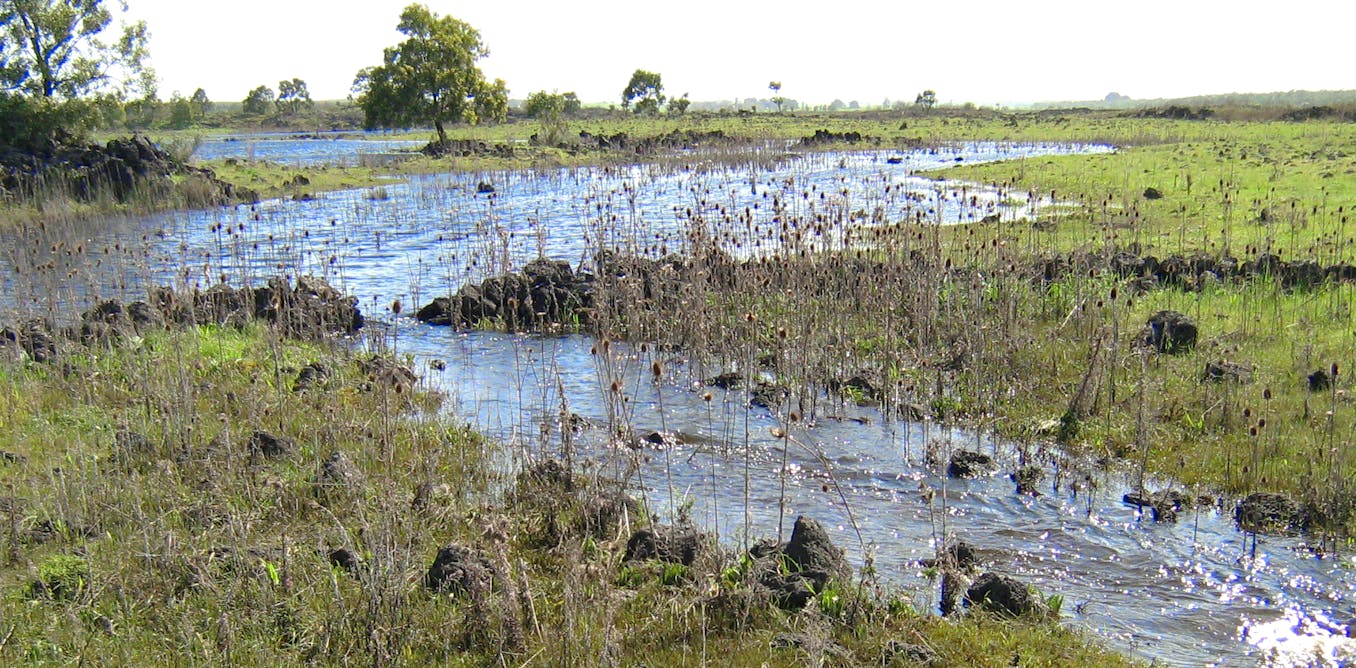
[572, 103]
[144, 111]
[431, 77]
[837, 105]
[678, 106]
[549, 108]
[645, 92]
[293, 97]
[777, 99]
[201, 105]
[259, 101]
[926, 99]
[545, 106]
[181, 111]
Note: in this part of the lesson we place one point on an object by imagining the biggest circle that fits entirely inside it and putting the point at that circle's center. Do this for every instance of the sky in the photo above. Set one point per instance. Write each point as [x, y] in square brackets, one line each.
[988, 52]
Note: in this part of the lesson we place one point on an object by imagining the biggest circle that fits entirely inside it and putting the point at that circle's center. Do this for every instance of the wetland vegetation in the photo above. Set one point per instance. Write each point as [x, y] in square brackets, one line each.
[234, 469]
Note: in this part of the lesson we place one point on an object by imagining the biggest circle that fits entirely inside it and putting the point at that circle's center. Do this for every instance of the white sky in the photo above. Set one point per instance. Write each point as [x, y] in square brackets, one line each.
[982, 51]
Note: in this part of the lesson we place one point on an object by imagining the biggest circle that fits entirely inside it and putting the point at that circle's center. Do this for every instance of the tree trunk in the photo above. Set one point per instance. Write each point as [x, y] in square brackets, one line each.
[442, 134]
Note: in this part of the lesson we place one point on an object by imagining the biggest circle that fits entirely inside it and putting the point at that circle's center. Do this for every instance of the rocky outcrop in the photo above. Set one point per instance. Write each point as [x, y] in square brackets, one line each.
[822, 137]
[312, 309]
[677, 140]
[466, 148]
[545, 293]
[120, 169]
[33, 338]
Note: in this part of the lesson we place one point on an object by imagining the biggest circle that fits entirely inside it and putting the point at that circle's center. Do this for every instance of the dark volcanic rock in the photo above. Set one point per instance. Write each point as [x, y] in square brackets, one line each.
[1028, 478]
[1319, 381]
[812, 549]
[970, 464]
[955, 554]
[795, 572]
[681, 544]
[313, 309]
[731, 380]
[1001, 594]
[547, 293]
[444, 311]
[268, 446]
[337, 475]
[344, 559]
[34, 338]
[1227, 371]
[1170, 332]
[459, 570]
[1265, 512]
[310, 376]
[1164, 504]
[768, 395]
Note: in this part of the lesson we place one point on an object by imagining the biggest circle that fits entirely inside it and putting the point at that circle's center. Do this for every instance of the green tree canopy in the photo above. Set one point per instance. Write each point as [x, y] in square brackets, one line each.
[431, 77]
[926, 99]
[293, 96]
[645, 91]
[201, 105]
[55, 49]
[544, 105]
[678, 106]
[572, 103]
[259, 101]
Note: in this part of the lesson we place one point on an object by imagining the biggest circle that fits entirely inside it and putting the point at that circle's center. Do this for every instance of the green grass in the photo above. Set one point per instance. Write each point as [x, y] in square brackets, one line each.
[181, 548]
[1284, 188]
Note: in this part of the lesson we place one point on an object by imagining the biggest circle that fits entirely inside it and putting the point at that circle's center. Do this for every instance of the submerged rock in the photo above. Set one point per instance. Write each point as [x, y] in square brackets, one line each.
[1164, 504]
[1027, 479]
[970, 464]
[1266, 512]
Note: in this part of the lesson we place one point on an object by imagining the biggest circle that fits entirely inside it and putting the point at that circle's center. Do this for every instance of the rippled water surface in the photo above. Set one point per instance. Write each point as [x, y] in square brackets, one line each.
[1189, 593]
[303, 149]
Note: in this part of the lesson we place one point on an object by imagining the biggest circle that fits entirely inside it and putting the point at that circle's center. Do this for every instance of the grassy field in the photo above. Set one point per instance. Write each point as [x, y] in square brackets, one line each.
[147, 521]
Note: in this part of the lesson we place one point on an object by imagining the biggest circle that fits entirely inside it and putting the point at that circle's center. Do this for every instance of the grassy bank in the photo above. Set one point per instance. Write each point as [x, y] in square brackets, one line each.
[178, 498]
